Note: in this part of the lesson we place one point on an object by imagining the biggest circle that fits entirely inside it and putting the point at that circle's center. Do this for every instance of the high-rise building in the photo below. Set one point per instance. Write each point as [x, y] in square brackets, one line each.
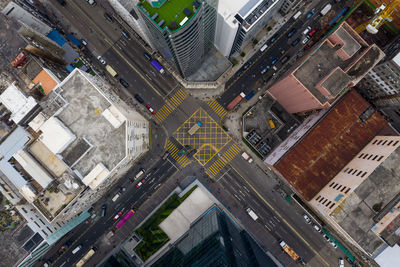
[182, 31]
[214, 240]
[324, 74]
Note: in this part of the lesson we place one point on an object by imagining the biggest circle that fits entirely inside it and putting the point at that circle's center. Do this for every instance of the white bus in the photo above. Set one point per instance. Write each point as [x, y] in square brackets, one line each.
[86, 257]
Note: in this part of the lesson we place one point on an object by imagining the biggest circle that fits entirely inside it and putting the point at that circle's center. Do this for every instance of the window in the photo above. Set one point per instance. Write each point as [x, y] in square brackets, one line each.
[350, 171]
[391, 140]
[332, 184]
[321, 199]
[384, 142]
[45, 233]
[49, 229]
[335, 186]
[395, 143]
[354, 172]
[323, 203]
[375, 157]
[366, 155]
[380, 141]
[375, 142]
[362, 176]
[370, 157]
[41, 221]
[37, 224]
[327, 204]
[333, 204]
[358, 174]
[344, 187]
[348, 189]
[339, 187]
[318, 198]
[362, 154]
[380, 158]
[346, 170]
[24, 210]
[11, 195]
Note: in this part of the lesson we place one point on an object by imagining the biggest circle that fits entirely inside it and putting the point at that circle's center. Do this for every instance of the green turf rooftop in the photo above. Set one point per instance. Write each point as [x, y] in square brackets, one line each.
[171, 10]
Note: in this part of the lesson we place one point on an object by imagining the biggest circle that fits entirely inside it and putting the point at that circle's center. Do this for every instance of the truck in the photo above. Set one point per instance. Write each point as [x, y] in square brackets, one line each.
[235, 101]
[87, 257]
[289, 251]
[262, 49]
[271, 124]
[250, 95]
[297, 15]
[325, 10]
[195, 127]
[157, 66]
[111, 71]
[252, 214]
[247, 157]
[116, 197]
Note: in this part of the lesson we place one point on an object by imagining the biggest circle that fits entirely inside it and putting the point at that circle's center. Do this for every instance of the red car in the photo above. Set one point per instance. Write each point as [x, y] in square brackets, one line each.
[150, 109]
[138, 185]
[311, 33]
[117, 216]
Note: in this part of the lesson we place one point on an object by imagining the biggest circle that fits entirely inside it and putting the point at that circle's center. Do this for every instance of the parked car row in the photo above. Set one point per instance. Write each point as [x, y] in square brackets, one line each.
[318, 229]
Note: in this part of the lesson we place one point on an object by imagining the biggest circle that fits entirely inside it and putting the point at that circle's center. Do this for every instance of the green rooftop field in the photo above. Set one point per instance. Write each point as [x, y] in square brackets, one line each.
[171, 10]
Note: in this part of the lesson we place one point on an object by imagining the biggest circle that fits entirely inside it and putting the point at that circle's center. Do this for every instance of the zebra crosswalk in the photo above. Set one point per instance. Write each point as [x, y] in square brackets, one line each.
[221, 162]
[173, 151]
[217, 108]
[171, 104]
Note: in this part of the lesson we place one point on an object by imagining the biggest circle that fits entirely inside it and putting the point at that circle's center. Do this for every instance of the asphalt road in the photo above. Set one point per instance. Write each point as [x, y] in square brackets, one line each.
[126, 57]
[245, 80]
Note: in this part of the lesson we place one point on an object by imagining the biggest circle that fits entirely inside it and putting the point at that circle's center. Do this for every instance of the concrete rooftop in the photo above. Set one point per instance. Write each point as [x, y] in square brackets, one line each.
[356, 213]
[97, 140]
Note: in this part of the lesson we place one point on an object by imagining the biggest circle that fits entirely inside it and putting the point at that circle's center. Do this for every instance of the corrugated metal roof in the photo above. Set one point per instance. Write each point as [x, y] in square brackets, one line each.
[327, 148]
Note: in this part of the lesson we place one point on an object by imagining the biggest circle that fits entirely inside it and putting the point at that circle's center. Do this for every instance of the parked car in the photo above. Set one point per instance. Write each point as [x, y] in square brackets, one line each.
[305, 40]
[138, 185]
[291, 33]
[309, 14]
[275, 60]
[333, 244]
[91, 2]
[102, 61]
[124, 83]
[311, 33]
[126, 34]
[317, 228]
[147, 56]
[273, 38]
[152, 111]
[264, 70]
[83, 42]
[326, 237]
[308, 220]
[103, 210]
[295, 42]
[108, 17]
[341, 262]
[117, 216]
[307, 30]
[139, 99]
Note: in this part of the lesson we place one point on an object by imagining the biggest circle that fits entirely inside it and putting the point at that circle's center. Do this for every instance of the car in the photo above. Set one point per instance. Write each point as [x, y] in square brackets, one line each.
[291, 33]
[273, 38]
[62, 2]
[247, 64]
[308, 220]
[326, 237]
[305, 40]
[317, 228]
[108, 17]
[139, 99]
[275, 60]
[307, 30]
[126, 34]
[309, 14]
[91, 2]
[152, 111]
[286, 58]
[264, 70]
[138, 185]
[333, 244]
[341, 262]
[103, 210]
[295, 42]
[83, 42]
[124, 83]
[311, 33]
[147, 56]
[119, 214]
[102, 61]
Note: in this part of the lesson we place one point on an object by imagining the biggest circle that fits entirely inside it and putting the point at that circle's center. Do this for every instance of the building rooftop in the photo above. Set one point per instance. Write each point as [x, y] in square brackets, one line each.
[81, 108]
[253, 10]
[331, 143]
[338, 63]
[357, 213]
[173, 13]
[47, 81]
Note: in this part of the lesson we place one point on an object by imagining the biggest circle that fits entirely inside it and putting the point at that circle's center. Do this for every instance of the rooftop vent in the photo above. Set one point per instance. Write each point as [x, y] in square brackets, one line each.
[187, 12]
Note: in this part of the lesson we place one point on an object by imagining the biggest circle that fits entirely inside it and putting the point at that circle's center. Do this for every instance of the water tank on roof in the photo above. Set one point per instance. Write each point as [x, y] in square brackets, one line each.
[161, 23]
[155, 16]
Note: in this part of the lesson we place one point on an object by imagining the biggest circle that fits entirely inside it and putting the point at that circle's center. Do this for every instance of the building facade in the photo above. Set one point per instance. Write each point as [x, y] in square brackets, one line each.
[289, 5]
[183, 40]
[318, 79]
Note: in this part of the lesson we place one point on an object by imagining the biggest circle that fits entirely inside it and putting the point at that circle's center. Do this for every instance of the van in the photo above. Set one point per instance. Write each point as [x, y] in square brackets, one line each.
[116, 197]
[111, 71]
[141, 171]
[103, 210]
[76, 249]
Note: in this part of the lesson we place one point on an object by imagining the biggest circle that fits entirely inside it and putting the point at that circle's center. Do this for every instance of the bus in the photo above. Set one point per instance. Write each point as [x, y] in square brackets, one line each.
[111, 71]
[125, 218]
[86, 257]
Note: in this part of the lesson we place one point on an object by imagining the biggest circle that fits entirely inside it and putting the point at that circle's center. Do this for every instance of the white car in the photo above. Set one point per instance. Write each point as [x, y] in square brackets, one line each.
[341, 262]
[307, 30]
[308, 220]
[317, 228]
[333, 244]
[102, 61]
[305, 40]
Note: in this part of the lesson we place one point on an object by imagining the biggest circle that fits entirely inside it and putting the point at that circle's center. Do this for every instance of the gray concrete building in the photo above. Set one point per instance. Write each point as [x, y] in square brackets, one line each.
[289, 5]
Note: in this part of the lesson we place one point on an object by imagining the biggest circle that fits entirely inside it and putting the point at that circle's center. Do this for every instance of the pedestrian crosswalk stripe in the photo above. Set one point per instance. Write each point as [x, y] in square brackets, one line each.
[173, 151]
[221, 162]
[217, 108]
[231, 153]
[171, 104]
[216, 167]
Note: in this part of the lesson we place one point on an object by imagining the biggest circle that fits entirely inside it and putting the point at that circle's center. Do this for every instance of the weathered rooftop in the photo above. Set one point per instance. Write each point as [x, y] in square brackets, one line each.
[97, 141]
[355, 215]
[330, 145]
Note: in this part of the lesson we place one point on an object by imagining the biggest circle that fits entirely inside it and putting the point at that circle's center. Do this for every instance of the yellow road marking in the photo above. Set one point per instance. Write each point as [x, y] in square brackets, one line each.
[217, 108]
[280, 216]
[171, 104]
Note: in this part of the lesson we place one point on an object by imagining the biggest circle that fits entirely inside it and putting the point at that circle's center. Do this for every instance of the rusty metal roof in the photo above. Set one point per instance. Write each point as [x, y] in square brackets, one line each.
[330, 145]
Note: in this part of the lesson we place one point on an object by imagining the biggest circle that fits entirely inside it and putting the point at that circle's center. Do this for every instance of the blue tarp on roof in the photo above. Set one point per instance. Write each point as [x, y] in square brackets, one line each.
[56, 37]
[74, 40]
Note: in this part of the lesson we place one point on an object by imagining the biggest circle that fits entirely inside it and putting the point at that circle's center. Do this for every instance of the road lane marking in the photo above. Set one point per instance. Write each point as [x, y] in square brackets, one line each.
[281, 217]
